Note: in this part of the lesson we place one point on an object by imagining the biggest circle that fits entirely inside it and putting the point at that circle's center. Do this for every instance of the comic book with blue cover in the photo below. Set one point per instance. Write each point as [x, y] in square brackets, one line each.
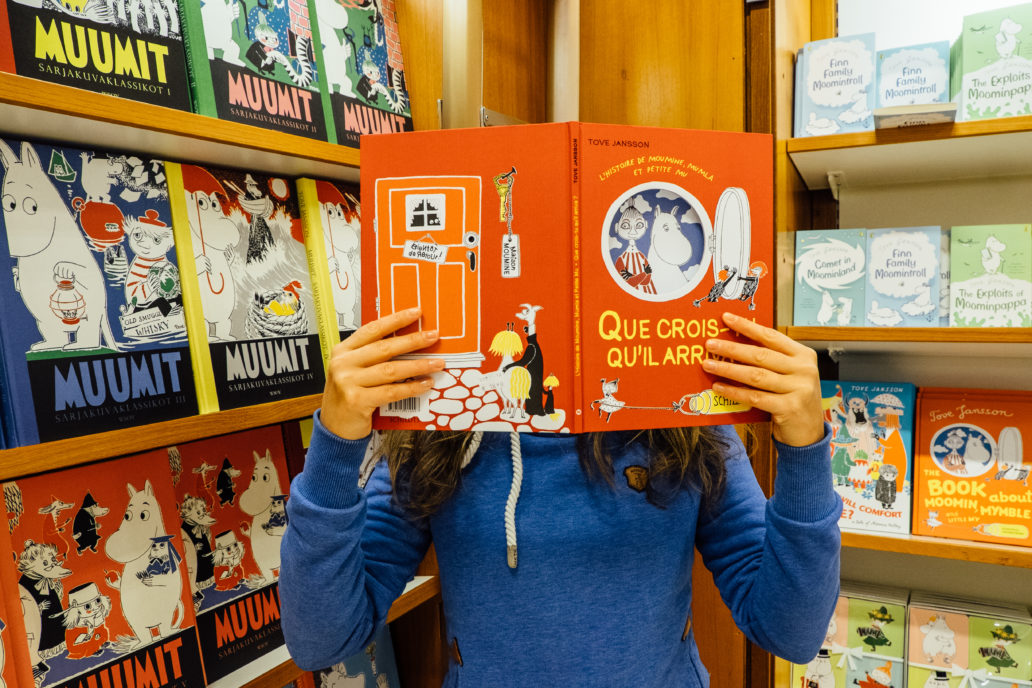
[94, 336]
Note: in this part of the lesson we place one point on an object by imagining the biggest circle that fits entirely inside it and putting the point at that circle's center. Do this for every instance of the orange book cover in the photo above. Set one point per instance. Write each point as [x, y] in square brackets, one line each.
[15, 669]
[99, 569]
[970, 479]
[6, 44]
[574, 271]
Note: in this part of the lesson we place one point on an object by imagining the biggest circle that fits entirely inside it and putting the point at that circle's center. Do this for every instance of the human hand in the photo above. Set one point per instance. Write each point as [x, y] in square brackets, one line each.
[778, 375]
[364, 375]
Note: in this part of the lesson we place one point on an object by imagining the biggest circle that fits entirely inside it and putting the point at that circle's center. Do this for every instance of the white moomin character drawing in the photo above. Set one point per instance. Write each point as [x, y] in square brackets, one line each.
[992, 255]
[340, 221]
[257, 502]
[1007, 38]
[337, 48]
[669, 250]
[938, 640]
[53, 263]
[219, 17]
[150, 584]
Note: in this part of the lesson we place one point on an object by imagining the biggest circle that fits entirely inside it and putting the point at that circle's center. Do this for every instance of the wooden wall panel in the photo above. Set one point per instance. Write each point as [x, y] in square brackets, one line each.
[419, 25]
[663, 63]
[516, 58]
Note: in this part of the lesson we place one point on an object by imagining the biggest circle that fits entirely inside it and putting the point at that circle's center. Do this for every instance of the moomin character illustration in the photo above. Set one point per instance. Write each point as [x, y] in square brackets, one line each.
[873, 636]
[532, 360]
[85, 528]
[150, 589]
[60, 283]
[669, 250]
[151, 279]
[214, 238]
[512, 383]
[337, 47]
[340, 221]
[54, 525]
[879, 677]
[257, 501]
[33, 634]
[85, 632]
[196, 534]
[608, 404]
[818, 672]
[996, 655]
[219, 17]
[41, 572]
[938, 640]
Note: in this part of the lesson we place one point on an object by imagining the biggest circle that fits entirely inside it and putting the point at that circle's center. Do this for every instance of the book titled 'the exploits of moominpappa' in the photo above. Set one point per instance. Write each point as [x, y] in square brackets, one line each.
[573, 271]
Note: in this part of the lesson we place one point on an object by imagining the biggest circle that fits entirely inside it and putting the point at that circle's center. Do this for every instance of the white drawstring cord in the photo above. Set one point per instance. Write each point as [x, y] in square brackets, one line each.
[474, 444]
[514, 495]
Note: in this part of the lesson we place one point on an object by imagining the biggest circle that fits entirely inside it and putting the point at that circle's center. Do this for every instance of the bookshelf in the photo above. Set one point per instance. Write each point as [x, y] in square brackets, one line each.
[942, 548]
[952, 341]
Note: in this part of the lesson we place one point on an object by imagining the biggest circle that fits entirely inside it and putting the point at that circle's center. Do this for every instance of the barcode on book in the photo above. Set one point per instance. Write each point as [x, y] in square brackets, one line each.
[412, 406]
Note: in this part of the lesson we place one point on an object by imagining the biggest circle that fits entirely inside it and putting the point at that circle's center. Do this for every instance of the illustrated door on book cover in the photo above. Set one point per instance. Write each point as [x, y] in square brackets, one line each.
[427, 255]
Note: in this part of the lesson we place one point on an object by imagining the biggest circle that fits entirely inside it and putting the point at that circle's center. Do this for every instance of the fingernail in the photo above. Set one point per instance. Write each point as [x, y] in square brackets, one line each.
[708, 364]
[430, 334]
[712, 343]
[428, 383]
[731, 316]
[412, 311]
[437, 364]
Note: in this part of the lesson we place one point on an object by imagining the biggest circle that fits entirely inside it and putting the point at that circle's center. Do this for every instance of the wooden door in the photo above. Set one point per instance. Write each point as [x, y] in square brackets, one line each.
[428, 255]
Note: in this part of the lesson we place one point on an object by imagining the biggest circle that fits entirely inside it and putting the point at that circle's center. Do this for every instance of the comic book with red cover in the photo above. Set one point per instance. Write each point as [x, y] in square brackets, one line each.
[574, 271]
[6, 51]
[99, 569]
[14, 650]
[232, 491]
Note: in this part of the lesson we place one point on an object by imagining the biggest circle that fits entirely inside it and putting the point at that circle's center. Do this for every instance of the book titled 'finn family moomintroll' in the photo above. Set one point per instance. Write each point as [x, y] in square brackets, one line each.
[94, 336]
[573, 271]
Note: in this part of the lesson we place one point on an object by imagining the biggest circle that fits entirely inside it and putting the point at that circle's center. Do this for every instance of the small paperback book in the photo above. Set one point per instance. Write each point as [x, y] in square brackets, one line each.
[101, 576]
[837, 86]
[332, 226]
[255, 62]
[375, 666]
[366, 91]
[971, 481]
[573, 271]
[991, 276]
[903, 277]
[830, 277]
[995, 64]
[914, 86]
[94, 336]
[249, 304]
[124, 48]
[232, 492]
[872, 450]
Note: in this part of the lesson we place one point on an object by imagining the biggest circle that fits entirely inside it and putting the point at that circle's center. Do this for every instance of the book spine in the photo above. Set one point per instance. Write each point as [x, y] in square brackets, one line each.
[15, 639]
[318, 267]
[578, 338]
[324, 88]
[202, 93]
[196, 326]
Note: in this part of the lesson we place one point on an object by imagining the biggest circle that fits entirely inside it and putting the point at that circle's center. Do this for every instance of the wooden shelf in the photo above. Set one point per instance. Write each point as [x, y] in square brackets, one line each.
[422, 589]
[73, 451]
[38, 109]
[952, 341]
[943, 548]
[985, 148]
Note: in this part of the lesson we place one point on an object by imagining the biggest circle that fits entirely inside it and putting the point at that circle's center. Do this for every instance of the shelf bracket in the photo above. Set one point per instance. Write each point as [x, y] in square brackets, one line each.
[836, 180]
[835, 353]
[490, 118]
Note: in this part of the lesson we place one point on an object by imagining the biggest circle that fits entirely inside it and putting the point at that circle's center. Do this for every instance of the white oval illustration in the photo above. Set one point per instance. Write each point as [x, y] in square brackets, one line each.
[963, 450]
[656, 241]
[731, 239]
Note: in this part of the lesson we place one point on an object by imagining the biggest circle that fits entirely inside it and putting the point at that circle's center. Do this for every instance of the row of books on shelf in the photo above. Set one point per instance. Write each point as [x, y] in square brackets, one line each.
[844, 85]
[318, 68]
[936, 461]
[163, 565]
[962, 276]
[884, 637]
[110, 260]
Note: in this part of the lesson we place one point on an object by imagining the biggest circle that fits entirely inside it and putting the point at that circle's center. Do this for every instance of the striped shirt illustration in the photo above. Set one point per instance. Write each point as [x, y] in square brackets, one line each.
[634, 261]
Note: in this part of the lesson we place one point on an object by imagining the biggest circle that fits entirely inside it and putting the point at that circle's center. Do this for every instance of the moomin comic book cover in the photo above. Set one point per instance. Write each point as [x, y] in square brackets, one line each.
[365, 74]
[94, 335]
[332, 225]
[574, 271]
[250, 310]
[231, 492]
[101, 577]
[255, 62]
[125, 48]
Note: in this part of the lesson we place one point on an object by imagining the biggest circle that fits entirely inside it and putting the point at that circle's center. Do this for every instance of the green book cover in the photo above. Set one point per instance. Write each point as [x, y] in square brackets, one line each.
[991, 276]
[995, 58]
[255, 62]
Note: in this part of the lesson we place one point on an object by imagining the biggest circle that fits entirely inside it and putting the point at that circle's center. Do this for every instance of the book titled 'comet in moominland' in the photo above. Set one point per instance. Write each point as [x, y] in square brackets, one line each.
[94, 337]
[574, 271]
[250, 312]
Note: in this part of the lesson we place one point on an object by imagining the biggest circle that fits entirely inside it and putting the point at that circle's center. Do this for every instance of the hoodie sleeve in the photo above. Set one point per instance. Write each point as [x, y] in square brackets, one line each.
[776, 562]
[346, 555]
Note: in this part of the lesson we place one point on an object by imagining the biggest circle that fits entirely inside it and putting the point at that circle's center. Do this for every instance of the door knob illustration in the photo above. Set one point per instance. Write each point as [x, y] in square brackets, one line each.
[471, 240]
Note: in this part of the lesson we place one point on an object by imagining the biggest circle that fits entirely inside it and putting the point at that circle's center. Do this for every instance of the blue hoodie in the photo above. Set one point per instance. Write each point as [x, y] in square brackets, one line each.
[602, 592]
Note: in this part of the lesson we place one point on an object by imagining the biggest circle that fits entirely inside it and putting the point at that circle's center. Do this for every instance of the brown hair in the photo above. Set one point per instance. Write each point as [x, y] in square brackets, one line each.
[426, 467]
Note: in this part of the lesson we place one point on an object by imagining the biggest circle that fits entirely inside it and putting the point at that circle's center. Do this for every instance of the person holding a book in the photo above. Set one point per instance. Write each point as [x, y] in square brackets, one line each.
[607, 526]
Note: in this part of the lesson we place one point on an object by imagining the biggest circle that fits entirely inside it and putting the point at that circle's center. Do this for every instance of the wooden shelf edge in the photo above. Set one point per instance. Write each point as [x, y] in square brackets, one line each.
[277, 677]
[413, 598]
[931, 132]
[943, 548]
[983, 335]
[48, 456]
[160, 131]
